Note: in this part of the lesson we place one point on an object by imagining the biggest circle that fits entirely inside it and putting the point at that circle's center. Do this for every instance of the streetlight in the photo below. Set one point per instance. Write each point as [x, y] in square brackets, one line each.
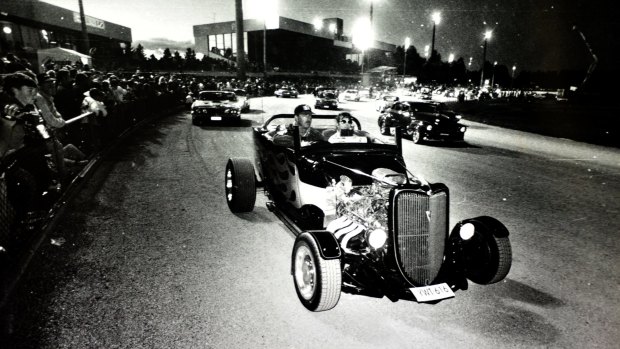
[493, 76]
[436, 19]
[407, 43]
[514, 67]
[318, 24]
[426, 48]
[487, 36]
[451, 58]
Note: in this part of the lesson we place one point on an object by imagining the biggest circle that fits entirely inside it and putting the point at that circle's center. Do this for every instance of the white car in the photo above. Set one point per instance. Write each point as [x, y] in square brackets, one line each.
[350, 95]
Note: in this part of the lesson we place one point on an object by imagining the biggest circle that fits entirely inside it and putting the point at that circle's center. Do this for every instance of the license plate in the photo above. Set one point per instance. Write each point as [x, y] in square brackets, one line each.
[216, 118]
[432, 292]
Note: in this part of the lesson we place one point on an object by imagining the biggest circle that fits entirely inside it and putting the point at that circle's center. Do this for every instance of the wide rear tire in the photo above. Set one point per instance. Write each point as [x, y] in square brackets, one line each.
[317, 281]
[240, 185]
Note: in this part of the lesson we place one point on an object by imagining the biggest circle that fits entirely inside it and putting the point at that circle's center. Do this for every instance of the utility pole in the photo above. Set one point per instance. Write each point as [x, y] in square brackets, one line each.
[86, 43]
[240, 43]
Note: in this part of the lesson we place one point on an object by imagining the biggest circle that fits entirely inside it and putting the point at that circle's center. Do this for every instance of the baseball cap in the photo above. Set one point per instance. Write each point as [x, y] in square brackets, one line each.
[303, 108]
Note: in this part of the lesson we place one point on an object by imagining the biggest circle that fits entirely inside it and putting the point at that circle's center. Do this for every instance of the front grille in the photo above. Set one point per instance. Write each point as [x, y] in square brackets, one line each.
[420, 226]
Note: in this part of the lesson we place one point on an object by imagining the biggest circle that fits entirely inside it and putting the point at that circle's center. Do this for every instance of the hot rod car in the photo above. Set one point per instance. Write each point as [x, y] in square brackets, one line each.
[364, 223]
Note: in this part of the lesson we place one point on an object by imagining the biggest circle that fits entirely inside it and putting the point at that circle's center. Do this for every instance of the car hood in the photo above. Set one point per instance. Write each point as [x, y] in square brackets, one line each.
[431, 117]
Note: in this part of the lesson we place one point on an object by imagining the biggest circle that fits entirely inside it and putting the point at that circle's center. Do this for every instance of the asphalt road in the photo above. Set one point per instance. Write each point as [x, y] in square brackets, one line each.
[149, 256]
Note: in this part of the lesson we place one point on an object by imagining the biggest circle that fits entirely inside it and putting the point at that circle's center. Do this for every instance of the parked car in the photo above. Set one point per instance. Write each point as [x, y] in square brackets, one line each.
[364, 224]
[421, 121]
[286, 92]
[350, 95]
[215, 106]
[326, 100]
[386, 102]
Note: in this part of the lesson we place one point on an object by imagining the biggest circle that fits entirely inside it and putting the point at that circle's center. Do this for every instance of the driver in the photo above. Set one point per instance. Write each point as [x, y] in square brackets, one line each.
[303, 119]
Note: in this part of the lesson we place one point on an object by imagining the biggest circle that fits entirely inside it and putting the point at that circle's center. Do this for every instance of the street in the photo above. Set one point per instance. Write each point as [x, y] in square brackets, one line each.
[151, 257]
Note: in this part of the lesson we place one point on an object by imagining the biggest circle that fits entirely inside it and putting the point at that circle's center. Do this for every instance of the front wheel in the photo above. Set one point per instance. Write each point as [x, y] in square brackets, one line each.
[488, 253]
[416, 136]
[240, 185]
[317, 281]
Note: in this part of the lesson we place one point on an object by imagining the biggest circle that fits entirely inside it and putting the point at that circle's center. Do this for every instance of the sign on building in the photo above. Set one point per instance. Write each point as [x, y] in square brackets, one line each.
[90, 21]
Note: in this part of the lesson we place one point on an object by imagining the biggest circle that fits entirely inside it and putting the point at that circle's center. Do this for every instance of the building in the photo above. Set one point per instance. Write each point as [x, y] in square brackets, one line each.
[30, 27]
[291, 45]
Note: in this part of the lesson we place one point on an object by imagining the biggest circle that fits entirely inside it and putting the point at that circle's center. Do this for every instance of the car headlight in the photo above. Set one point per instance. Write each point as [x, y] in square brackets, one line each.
[463, 129]
[376, 238]
[458, 117]
[429, 127]
[466, 231]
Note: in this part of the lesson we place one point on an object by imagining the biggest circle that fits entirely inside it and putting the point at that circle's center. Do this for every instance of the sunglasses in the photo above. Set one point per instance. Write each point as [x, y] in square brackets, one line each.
[345, 121]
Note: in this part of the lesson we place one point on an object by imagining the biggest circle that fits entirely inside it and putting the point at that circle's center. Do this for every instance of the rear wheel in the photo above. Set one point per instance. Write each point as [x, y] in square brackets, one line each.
[240, 185]
[317, 281]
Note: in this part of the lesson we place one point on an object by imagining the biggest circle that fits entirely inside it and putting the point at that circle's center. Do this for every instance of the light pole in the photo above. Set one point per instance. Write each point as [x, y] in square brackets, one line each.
[436, 19]
[493, 76]
[362, 37]
[487, 36]
[407, 43]
[86, 43]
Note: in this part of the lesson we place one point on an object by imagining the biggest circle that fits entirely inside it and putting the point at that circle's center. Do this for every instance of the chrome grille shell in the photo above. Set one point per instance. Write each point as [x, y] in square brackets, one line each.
[419, 225]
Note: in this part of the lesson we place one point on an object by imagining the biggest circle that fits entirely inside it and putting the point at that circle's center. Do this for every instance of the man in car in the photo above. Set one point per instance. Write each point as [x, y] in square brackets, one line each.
[303, 119]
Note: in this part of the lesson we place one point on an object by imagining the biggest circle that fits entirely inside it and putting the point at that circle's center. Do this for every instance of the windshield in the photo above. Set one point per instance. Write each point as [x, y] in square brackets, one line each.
[216, 96]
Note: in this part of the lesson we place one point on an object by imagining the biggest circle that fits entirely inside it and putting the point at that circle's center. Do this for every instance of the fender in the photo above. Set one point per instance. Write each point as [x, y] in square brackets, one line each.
[329, 248]
[487, 223]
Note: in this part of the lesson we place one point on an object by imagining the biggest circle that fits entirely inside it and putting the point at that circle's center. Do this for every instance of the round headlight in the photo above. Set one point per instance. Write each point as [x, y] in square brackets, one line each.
[429, 127]
[463, 129]
[377, 238]
[467, 231]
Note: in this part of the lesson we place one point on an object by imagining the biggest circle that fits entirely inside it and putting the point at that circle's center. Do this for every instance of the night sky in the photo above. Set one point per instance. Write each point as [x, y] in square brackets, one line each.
[533, 35]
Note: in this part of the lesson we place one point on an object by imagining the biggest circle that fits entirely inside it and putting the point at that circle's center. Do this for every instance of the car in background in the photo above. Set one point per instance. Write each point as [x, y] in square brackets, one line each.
[215, 106]
[242, 99]
[386, 101]
[286, 92]
[350, 95]
[319, 90]
[363, 223]
[420, 121]
[326, 100]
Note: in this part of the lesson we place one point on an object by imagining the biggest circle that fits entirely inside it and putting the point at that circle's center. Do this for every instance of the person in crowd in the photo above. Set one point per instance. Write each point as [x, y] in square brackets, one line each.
[303, 119]
[24, 144]
[91, 126]
[64, 155]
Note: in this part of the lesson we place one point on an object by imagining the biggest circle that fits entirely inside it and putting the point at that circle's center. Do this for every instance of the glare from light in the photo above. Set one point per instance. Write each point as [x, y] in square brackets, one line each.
[7, 30]
[363, 35]
[426, 50]
[377, 238]
[488, 34]
[332, 27]
[436, 17]
[265, 11]
[467, 231]
[495, 63]
[451, 58]
[407, 42]
[514, 67]
[318, 23]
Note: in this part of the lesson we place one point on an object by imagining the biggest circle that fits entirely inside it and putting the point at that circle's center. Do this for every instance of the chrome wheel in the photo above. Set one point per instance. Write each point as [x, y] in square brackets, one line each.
[416, 136]
[305, 273]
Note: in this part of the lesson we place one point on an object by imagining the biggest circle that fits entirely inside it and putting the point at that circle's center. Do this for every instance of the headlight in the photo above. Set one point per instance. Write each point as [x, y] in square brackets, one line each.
[467, 231]
[463, 129]
[429, 127]
[458, 117]
[376, 238]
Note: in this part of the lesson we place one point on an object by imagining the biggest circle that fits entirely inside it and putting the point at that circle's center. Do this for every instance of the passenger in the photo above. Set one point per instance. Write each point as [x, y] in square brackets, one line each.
[345, 131]
[303, 119]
